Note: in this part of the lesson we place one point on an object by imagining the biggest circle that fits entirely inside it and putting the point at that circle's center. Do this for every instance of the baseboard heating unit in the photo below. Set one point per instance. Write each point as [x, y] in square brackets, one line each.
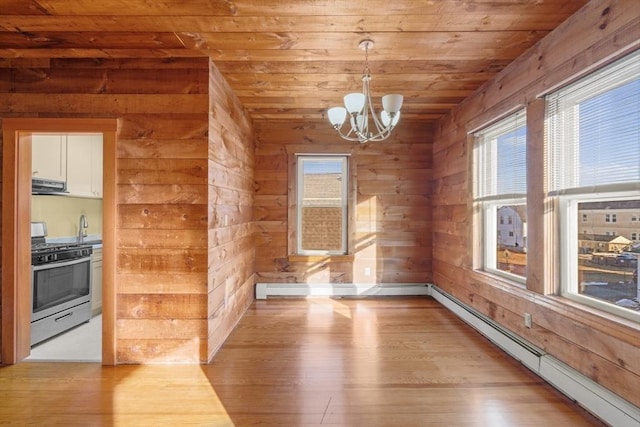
[604, 404]
[264, 290]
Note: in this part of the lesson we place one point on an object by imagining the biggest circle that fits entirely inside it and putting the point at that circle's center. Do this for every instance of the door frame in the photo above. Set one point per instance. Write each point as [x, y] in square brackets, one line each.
[16, 230]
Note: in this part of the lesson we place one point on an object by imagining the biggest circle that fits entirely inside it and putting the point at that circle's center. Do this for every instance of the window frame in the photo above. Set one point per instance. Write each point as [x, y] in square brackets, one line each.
[344, 203]
[487, 206]
[292, 204]
[566, 192]
[568, 251]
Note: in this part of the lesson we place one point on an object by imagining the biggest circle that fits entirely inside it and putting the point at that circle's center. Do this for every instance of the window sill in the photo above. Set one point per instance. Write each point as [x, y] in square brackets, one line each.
[503, 279]
[321, 258]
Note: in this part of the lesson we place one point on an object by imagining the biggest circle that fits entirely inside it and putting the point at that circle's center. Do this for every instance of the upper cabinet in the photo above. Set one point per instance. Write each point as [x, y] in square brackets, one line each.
[84, 165]
[49, 157]
[74, 158]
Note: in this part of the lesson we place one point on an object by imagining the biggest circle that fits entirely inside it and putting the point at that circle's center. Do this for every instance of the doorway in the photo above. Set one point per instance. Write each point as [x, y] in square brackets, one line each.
[16, 217]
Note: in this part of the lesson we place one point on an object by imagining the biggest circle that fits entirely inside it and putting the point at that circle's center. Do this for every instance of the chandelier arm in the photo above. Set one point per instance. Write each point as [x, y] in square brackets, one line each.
[383, 132]
[379, 126]
[347, 135]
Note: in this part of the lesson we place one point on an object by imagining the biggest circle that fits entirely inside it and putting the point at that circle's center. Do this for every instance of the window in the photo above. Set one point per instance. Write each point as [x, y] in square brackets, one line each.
[634, 236]
[584, 217]
[322, 193]
[634, 218]
[594, 165]
[500, 185]
[610, 218]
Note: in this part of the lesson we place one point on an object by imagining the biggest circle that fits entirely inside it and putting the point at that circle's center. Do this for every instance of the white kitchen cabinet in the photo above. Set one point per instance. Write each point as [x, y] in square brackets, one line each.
[84, 165]
[96, 281]
[49, 156]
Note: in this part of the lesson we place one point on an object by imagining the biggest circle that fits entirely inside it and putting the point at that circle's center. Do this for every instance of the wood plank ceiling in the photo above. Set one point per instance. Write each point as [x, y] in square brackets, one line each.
[294, 59]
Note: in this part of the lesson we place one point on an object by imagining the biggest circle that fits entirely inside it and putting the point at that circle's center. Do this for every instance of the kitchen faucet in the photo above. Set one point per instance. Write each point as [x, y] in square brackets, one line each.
[81, 228]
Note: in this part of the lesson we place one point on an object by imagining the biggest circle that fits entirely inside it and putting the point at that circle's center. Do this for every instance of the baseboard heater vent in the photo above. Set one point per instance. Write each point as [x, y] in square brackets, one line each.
[265, 290]
[604, 404]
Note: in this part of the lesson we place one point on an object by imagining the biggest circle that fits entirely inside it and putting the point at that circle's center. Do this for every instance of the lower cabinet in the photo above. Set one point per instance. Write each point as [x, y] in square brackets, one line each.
[96, 281]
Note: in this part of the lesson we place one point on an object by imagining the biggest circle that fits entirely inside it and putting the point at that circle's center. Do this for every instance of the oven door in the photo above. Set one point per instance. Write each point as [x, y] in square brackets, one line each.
[59, 286]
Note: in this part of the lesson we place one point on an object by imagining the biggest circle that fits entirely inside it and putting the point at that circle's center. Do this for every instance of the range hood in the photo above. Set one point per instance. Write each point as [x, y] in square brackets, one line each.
[48, 186]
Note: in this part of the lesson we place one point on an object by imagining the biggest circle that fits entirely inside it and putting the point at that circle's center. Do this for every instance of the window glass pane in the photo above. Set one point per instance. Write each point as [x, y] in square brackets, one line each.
[612, 116]
[593, 129]
[501, 158]
[322, 204]
[608, 260]
[511, 159]
[511, 240]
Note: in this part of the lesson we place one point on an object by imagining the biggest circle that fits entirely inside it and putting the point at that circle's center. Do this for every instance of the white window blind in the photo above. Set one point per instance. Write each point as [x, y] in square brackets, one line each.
[593, 129]
[501, 159]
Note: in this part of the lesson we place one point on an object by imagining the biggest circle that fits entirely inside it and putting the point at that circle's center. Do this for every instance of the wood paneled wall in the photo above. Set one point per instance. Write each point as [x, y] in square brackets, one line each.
[393, 206]
[162, 215]
[166, 232]
[596, 344]
[231, 263]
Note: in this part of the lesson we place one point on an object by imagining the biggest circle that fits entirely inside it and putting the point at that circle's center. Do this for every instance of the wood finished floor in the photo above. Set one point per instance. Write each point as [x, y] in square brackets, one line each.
[346, 362]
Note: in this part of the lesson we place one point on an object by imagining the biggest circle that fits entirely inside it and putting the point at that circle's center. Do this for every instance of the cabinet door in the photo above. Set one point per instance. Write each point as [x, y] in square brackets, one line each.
[84, 165]
[79, 165]
[96, 281]
[49, 156]
[96, 166]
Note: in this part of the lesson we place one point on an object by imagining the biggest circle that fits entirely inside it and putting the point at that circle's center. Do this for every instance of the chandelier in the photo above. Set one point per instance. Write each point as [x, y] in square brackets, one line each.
[365, 124]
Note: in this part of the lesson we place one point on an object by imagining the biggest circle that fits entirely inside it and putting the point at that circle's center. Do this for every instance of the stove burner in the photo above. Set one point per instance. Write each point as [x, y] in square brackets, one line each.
[42, 247]
[45, 253]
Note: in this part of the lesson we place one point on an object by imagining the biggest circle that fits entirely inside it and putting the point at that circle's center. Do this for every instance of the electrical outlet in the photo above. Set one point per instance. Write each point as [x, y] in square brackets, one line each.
[367, 271]
[527, 320]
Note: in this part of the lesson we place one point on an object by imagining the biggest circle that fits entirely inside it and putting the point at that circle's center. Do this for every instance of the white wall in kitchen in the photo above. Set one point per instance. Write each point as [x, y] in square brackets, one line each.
[62, 214]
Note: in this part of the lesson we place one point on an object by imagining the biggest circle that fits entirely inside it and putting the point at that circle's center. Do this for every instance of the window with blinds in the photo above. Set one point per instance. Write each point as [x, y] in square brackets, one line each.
[500, 191]
[593, 129]
[593, 170]
[501, 159]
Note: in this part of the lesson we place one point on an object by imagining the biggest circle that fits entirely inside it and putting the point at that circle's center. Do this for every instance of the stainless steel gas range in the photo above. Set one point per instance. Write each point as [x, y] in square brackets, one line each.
[60, 285]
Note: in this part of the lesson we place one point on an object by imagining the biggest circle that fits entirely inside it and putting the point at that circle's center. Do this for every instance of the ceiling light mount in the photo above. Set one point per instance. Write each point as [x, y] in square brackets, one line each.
[365, 124]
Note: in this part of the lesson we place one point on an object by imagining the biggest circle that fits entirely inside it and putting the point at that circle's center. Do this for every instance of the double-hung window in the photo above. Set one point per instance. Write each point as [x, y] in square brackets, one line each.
[321, 203]
[593, 134]
[500, 190]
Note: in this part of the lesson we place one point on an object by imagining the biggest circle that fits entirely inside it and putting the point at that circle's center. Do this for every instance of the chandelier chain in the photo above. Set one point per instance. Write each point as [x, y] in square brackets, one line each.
[366, 71]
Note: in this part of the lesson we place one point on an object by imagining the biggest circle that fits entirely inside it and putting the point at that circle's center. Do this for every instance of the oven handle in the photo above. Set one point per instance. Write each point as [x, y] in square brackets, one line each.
[61, 264]
[69, 314]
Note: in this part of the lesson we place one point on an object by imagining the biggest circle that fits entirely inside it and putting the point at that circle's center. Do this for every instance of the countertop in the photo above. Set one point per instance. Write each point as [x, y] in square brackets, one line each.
[94, 240]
